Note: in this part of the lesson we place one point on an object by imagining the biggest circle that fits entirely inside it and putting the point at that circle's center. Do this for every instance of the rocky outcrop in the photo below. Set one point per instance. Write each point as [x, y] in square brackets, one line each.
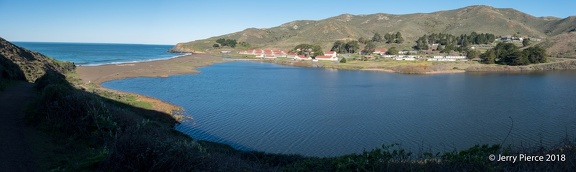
[21, 64]
[181, 48]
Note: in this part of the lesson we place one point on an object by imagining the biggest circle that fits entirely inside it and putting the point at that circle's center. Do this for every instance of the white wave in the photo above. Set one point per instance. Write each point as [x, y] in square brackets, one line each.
[137, 61]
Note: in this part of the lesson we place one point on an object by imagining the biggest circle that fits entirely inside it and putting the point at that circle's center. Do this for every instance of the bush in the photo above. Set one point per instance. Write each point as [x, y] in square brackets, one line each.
[150, 147]
[343, 60]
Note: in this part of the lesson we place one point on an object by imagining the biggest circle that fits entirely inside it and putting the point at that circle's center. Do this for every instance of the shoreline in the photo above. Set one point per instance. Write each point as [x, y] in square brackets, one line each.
[94, 76]
[187, 64]
[425, 68]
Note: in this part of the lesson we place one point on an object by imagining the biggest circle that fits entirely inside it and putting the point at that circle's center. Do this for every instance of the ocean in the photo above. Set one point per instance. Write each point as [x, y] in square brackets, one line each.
[94, 54]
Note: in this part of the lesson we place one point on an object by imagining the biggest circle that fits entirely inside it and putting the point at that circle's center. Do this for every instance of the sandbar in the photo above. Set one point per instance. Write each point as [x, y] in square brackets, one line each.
[160, 68]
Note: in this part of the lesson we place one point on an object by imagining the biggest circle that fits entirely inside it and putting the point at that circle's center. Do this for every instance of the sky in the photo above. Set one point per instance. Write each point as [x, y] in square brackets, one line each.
[174, 21]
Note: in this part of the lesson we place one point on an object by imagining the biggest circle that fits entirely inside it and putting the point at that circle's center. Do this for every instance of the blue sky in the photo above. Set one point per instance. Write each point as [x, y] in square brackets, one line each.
[170, 22]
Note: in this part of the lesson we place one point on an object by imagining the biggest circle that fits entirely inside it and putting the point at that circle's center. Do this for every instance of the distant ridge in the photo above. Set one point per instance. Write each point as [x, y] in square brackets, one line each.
[478, 18]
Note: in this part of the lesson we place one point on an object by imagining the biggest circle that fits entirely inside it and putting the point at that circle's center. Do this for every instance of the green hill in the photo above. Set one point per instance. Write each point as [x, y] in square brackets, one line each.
[480, 19]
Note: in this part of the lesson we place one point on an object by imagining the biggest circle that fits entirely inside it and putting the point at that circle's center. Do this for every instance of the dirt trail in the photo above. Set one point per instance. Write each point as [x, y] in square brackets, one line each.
[15, 151]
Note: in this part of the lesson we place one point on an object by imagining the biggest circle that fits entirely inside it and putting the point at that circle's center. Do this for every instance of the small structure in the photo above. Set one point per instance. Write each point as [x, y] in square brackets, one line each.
[380, 51]
[407, 58]
[447, 58]
[331, 58]
[330, 53]
[301, 57]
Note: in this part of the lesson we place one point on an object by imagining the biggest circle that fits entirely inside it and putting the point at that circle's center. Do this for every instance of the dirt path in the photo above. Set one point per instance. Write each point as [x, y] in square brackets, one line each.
[15, 151]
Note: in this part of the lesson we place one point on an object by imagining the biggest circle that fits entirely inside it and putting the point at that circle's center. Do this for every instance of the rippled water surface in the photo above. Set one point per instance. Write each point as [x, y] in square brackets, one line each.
[323, 112]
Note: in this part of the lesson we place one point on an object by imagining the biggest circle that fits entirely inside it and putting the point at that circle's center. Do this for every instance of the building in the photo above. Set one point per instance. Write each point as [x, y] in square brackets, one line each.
[380, 51]
[267, 53]
[301, 57]
[407, 58]
[447, 58]
[331, 58]
[330, 53]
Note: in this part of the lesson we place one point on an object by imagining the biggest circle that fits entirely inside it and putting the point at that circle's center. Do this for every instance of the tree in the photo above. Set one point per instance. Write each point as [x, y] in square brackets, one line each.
[399, 38]
[339, 47]
[227, 42]
[231, 42]
[352, 46]
[517, 58]
[525, 42]
[343, 60]
[216, 45]
[392, 51]
[535, 54]
[489, 57]
[308, 50]
[389, 38]
[470, 54]
[510, 54]
[421, 43]
[369, 48]
[363, 40]
[221, 41]
[377, 37]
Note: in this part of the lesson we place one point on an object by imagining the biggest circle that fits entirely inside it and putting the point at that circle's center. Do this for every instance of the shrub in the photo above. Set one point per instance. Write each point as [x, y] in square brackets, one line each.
[150, 147]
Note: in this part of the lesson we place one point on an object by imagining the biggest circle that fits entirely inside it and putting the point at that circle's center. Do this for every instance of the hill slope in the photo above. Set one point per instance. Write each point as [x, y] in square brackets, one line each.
[21, 64]
[480, 19]
[562, 45]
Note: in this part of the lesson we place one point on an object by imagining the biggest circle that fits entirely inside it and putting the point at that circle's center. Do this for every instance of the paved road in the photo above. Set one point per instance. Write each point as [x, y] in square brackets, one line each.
[15, 151]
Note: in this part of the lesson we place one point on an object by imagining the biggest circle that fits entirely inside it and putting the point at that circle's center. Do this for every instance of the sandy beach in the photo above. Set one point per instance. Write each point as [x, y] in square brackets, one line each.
[431, 72]
[445, 72]
[379, 70]
[161, 68]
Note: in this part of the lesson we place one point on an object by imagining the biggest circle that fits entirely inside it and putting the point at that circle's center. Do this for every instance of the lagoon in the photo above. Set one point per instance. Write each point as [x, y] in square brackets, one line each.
[325, 112]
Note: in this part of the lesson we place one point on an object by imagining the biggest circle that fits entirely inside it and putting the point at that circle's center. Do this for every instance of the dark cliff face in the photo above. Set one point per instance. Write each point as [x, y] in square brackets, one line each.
[17, 63]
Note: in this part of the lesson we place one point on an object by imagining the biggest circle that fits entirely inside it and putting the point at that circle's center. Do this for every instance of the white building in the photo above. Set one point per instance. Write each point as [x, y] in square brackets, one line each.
[331, 58]
[330, 53]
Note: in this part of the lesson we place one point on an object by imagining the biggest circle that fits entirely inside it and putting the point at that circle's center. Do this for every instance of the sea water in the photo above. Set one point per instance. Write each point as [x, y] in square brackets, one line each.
[93, 54]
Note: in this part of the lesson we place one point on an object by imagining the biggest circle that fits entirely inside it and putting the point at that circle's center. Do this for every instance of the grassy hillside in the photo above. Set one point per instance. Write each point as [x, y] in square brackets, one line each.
[21, 64]
[480, 19]
[562, 45]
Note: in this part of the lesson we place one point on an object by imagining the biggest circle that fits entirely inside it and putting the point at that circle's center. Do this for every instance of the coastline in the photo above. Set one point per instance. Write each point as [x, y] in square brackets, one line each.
[425, 68]
[94, 76]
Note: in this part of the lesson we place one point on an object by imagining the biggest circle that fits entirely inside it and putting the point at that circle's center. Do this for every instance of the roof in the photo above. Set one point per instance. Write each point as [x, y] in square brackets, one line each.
[380, 50]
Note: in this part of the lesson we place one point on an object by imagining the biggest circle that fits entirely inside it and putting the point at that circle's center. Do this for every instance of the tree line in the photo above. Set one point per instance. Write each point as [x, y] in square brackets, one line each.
[346, 47]
[387, 38]
[449, 42]
[510, 54]
[230, 43]
[369, 44]
[308, 50]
